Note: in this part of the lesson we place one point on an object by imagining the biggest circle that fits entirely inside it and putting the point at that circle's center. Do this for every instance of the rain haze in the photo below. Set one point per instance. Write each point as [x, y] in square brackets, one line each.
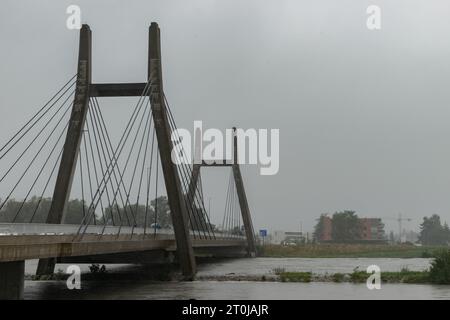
[364, 116]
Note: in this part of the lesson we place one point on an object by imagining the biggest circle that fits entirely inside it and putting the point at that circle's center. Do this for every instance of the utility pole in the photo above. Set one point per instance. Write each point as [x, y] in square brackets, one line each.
[399, 220]
[400, 229]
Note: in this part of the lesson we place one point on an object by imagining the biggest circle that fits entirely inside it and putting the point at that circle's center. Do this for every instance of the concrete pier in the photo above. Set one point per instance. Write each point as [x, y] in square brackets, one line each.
[12, 280]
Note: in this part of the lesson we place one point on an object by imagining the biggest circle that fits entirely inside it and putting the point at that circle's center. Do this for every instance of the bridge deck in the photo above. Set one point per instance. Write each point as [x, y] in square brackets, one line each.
[48, 241]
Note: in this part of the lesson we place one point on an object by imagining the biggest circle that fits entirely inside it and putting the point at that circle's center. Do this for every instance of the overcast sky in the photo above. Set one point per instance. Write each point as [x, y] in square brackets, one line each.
[364, 116]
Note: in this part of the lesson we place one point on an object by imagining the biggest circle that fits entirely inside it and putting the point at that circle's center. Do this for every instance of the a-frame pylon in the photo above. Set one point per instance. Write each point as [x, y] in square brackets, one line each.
[243, 203]
[84, 90]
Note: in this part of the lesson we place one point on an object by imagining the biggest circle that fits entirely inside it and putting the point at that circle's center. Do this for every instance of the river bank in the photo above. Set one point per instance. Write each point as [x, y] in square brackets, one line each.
[406, 276]
[423, 271]
[348, 251]
[244, 279]
[436, 272]
[253, 267]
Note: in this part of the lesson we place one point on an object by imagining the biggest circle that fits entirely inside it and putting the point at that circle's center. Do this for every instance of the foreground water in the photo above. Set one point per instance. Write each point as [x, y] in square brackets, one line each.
[143, 289]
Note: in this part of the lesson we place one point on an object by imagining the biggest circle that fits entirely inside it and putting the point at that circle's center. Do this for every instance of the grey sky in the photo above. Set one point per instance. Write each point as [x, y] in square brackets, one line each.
[364, 116]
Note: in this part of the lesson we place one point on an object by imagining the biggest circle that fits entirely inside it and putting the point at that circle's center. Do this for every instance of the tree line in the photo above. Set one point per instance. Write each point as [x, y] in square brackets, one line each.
[434, 232]
[36, 210]
[345, 227]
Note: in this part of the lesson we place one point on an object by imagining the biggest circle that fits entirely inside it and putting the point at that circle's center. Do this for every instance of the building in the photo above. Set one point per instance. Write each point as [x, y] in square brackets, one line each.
[294, 237]
[282, 237]
[371, 229]
[327, 229]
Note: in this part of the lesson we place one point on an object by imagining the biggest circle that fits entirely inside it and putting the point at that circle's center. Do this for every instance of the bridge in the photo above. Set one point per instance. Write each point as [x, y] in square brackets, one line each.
[137, 204]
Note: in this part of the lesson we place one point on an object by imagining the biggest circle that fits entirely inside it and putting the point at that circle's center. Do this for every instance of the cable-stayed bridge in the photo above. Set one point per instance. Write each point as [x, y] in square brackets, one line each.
[71, 191]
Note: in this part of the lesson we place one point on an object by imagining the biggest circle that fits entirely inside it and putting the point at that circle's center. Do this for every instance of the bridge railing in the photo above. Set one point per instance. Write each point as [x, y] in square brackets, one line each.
[8, 229]
[57, 229]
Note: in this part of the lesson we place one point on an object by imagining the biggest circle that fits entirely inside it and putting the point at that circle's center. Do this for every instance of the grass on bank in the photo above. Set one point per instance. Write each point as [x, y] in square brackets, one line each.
[404, 276]
[347, 251]
[295, 276]
[439, 273]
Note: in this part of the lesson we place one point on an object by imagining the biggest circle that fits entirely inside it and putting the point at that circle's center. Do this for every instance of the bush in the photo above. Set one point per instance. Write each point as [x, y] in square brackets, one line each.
[358, 276]
[338, 277]
[427, 254]
[440, 268]
[295, 277]
[405, 276]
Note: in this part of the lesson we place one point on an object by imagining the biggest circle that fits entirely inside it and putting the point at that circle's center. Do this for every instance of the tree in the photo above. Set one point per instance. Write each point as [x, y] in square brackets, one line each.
[440, 267]
[139, 214]
[36, 210]
[238, 231]
[163, 211]
[76, 210]
[345, 227]
[432, 232]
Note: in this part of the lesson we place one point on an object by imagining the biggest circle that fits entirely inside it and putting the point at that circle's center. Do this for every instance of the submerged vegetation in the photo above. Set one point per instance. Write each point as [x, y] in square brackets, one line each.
[348, 251]
[295, 277]
[403, 276]
[439, 273]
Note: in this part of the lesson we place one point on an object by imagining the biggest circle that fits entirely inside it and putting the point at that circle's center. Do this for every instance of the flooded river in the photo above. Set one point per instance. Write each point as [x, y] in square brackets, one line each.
[211, 289]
